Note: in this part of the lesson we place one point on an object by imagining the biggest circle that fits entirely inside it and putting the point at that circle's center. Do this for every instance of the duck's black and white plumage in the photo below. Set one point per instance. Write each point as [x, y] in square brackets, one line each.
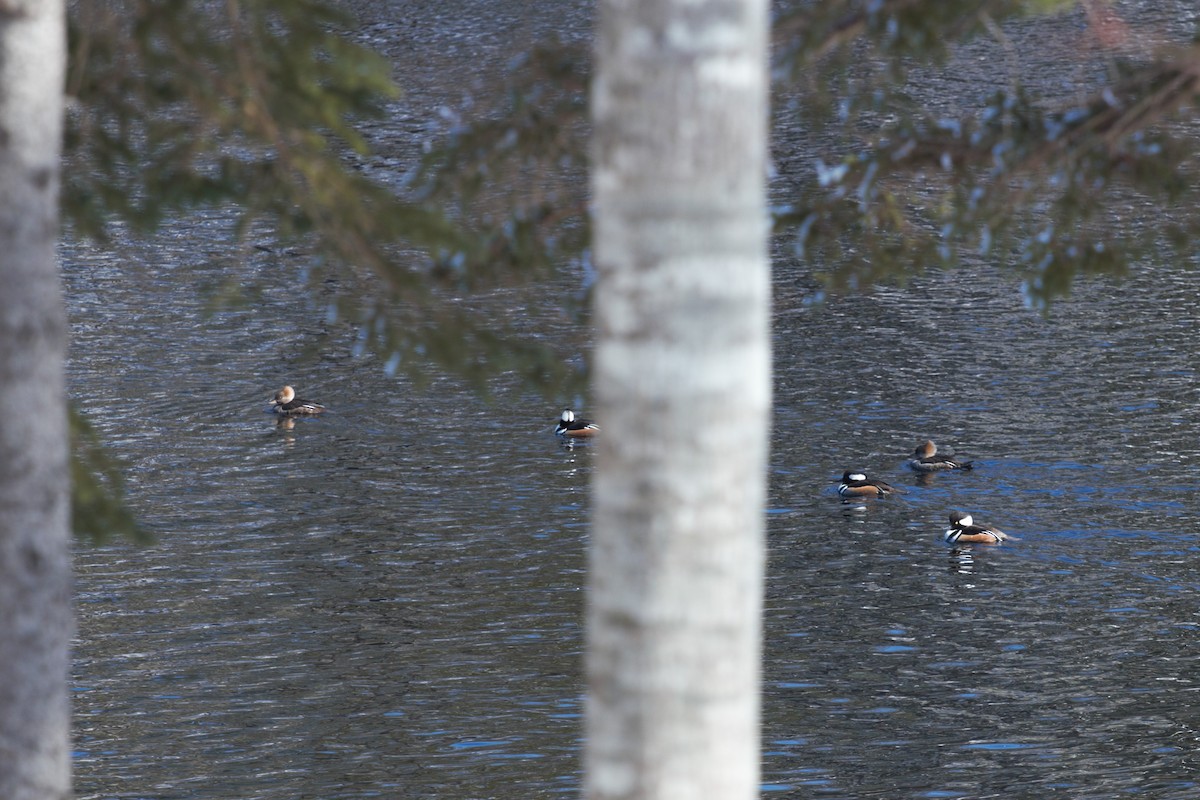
[963, 529]
[575, 428]
[925, 459]
[857, 484]
[285, 403]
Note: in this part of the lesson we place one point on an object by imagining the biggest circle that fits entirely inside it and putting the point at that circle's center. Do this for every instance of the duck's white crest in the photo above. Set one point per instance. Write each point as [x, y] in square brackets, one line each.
[966, 521]
[857, 476]
[568, 416]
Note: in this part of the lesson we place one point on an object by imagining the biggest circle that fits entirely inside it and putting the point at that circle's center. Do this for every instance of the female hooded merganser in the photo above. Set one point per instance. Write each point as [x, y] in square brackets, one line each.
[857, 484]
[926, 459]
[963, 529]
[287, 404]
[574, 428]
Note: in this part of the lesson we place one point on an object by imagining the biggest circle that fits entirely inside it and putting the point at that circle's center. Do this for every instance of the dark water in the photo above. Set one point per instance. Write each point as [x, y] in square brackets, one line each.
[900, 668]
[362, 605]
[386, 601]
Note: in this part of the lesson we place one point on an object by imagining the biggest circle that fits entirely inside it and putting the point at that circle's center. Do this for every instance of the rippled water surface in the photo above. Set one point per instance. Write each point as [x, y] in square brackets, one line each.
[386, 601]
[899, 667]
[368, 601]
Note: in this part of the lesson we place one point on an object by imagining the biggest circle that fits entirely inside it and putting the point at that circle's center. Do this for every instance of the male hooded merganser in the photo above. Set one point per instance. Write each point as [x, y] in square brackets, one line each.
[857, 484]
[287, 404]
[574, 428]
[963, 529]
[926, 459]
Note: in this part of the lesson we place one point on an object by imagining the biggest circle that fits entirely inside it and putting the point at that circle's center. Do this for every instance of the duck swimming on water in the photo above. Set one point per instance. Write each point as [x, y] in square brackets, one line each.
[287, 404]
[857, 484]
[963, 529]
[926, 459]
[575, 428]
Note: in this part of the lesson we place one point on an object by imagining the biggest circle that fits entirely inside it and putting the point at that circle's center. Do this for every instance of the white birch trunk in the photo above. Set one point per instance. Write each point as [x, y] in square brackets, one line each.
[682, 383]
[35, 584]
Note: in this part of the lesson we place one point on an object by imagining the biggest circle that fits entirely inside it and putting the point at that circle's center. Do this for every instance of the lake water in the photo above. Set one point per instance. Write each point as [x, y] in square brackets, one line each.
[386, 601]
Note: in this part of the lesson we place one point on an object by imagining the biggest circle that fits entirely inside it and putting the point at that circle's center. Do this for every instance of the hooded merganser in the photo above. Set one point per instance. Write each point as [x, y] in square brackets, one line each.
[857, 484]
[963, 529]
[926, 459]
[287, 404]
[568, 425]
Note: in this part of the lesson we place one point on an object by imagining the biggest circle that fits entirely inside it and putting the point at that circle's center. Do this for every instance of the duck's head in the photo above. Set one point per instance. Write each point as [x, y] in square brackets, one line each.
[925, 450]
[854, 476]
[959, 519]
[568, 416]
[285, 395]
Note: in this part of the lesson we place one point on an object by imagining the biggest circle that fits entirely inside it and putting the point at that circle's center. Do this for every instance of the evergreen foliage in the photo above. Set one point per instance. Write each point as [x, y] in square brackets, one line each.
[98, 508]
[900, 179]
[1046, 181]
[256, 106]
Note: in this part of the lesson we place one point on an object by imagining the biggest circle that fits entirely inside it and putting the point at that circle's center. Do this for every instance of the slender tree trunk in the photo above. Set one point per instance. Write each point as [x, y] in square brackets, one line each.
[683, 388]
[35, 583]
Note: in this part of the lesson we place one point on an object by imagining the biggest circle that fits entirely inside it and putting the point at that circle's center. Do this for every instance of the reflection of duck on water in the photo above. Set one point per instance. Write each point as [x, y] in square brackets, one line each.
[287, 404]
